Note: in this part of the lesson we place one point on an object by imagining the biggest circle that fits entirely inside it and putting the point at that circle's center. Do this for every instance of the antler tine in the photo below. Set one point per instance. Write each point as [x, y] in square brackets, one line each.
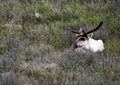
[94, 29]
[75, 31]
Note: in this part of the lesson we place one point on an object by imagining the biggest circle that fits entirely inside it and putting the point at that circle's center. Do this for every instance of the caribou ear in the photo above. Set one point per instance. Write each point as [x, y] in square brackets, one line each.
[90, 34]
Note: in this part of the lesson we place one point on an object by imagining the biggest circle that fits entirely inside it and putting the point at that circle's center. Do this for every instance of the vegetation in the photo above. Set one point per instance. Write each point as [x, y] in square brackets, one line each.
[35, 42]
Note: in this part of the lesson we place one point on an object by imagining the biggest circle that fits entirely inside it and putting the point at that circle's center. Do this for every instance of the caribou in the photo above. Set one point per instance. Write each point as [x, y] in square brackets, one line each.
[84, 41]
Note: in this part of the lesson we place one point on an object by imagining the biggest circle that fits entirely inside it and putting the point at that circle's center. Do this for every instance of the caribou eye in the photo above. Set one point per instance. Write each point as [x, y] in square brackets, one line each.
[82, 39]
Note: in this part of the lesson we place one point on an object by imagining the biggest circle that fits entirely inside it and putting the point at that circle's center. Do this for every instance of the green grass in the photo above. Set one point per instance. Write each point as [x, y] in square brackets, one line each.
[36, 51]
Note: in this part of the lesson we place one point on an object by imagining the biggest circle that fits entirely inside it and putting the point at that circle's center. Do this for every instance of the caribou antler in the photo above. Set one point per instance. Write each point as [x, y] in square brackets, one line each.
[75, 31]
[85, 33]
[94, 29]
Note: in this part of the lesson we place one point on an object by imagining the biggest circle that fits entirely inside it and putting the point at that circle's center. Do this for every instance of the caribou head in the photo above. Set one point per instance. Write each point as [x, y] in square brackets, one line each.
[84, 41]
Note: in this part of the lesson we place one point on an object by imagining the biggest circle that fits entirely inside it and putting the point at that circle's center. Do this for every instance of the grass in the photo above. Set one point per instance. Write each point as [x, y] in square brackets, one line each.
[36, 51]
